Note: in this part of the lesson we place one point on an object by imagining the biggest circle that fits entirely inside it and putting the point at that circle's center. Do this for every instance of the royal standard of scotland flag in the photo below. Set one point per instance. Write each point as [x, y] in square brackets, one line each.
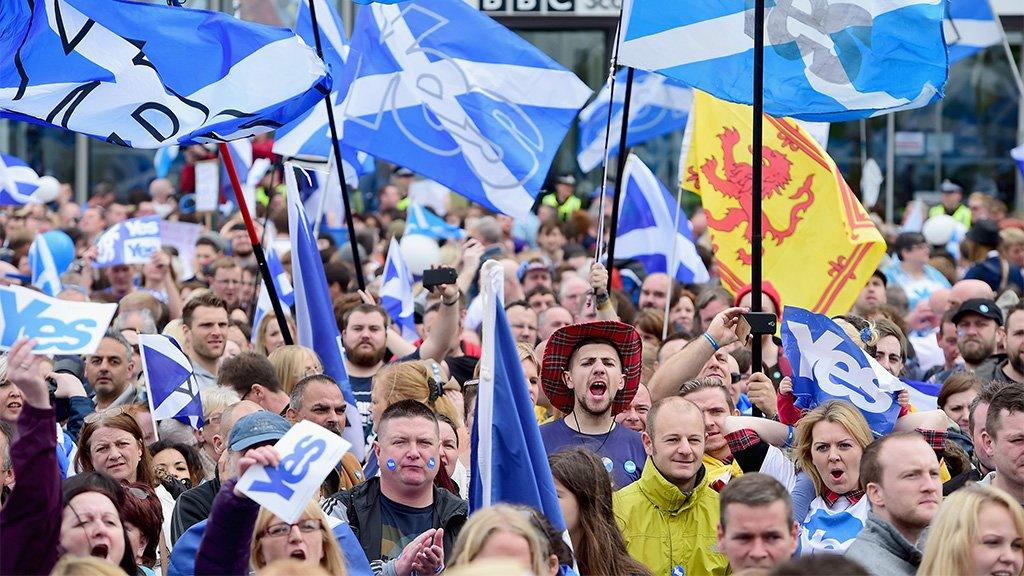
[647, 221]
[970, 27]
[396, 292]
[173, 389]
[420, 220]
[827, 365]
[508, 461]
[192, 76]
[484, 118]
[18, 182]
[823, 61]
[657, 106]
[313, 309]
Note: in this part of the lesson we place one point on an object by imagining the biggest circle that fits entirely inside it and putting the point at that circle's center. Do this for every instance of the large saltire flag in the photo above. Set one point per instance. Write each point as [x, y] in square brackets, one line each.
[173, 388]
[970, 27]
[18, 182]
[149, 76]
[820, 247]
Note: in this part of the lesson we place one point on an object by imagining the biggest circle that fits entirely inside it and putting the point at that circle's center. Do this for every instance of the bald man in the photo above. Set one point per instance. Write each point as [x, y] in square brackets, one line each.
[965, 290]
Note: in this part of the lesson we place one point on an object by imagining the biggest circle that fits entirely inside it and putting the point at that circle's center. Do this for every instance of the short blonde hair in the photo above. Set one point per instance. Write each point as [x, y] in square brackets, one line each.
[485, 522]
[412, 381]
[288, 362]
[836, 412]
[216, 399]
[955, 527]
[333, 560]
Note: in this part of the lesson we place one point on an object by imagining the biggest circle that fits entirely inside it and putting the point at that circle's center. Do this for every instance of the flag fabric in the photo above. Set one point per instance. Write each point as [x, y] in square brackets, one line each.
[483, 118]
[163, 159]
[173, 389]
[658, 105]
[420, 220]
[49, 256]
[308, 137]
[198, 76]
[827, 365]
[822, 60]
[1018, 156]
[313, 306]
[923, 395]
[970, 27]
[249, 170]
[18, 182]
[820, 246]
[283, 285]
[647, 221]
[508, 461]
[396, 292]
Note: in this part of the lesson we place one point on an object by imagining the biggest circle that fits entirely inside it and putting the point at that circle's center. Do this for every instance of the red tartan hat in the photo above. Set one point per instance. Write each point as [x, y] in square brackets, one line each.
[566, 340]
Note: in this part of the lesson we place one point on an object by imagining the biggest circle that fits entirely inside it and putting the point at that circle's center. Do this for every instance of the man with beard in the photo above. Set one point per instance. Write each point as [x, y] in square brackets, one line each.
[979, 325]
[655, 290]
[318, 398]
[204, 321]
[1012, 368]
[109, 372]
[591, 373]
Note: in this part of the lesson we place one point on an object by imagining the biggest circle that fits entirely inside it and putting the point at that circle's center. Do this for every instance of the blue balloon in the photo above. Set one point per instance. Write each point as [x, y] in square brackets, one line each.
[62, 248]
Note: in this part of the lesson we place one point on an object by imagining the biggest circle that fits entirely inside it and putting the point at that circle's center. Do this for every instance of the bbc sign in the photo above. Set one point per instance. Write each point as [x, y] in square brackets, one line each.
[550, 7]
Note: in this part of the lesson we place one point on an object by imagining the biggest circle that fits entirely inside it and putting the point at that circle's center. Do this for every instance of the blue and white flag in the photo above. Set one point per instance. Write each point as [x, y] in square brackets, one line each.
[18, 182]
[190, 76]
[484, 118]
[133, 241]
[923, 395]
[420, 220]
[827, 365]
[249, 170]
[308, 137]
[58, 326]
[173, 389]
[313, 305]
[970, 27]
[283, 285]
[396, 292]
[163, 159]
[658, 105]
[508, 460]
[823, 61]
[49, 256]
[647, 222]
[1018, 156]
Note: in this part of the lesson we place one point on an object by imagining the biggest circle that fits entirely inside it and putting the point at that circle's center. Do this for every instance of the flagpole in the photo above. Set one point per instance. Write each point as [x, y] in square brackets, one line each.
[890, 165]
[257, 246]
[756, 160]
[336, 147]
[623, 153]
[607, 138]
[673, 264]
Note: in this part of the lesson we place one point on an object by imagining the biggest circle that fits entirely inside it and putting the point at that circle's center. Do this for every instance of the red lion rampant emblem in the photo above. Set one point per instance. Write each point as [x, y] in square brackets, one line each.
[736, 182]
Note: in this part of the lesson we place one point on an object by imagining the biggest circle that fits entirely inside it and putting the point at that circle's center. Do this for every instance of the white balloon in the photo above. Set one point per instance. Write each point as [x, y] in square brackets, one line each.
[419, 252]
[48, 189]
[938, 230]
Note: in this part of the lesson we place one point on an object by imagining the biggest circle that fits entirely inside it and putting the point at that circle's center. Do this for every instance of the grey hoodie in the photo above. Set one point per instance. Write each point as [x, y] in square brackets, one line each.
[883, 551]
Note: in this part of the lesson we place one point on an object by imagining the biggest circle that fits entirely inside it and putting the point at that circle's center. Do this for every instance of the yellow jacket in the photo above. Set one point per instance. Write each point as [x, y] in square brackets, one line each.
[717, 469]
[667, 529]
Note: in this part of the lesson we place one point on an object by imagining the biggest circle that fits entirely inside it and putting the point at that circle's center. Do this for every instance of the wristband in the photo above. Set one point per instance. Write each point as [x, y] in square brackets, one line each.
[601, 298]
[452, 303]
[711, 340]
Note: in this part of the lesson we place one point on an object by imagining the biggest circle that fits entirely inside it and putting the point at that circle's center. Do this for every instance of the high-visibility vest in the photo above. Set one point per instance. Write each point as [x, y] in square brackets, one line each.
[962, 214]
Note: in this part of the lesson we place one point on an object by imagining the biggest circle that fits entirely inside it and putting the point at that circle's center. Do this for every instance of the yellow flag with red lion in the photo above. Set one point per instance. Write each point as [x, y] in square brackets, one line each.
[820, 247]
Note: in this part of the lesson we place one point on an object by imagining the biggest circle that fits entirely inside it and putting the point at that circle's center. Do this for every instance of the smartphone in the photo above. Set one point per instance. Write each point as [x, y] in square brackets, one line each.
[761, 322]
[743, 330]
[439, 276]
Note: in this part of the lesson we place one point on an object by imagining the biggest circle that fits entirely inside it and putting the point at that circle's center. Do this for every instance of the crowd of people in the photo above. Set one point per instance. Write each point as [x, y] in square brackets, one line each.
[670, 453]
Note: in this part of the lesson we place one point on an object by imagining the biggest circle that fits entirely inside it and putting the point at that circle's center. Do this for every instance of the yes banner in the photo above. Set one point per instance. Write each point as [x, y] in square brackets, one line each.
[827, 365]
[130, 242]
[308, 454]
[59, 326]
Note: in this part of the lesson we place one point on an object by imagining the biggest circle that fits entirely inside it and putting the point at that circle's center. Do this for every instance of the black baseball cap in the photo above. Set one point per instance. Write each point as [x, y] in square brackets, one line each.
[980, 306]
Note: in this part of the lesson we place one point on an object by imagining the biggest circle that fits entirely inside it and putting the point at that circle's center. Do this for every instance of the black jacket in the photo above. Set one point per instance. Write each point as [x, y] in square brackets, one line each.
[362, 506]
[193, 506]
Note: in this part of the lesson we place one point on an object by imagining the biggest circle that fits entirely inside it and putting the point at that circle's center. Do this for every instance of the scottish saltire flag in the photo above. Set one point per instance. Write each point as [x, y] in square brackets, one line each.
[48, 258]
[970, 27]
[198, 76]
[823, 61]
[173, 390]
[647, 225]
[1018, 156]
[420, 220]
[923, 395]
[18, 182]
[658, 105]
[396, 292]
[133, 241]
[283, 285]
[313, 305]
[250, 171]
[827, 365]
[441, 88]
[508, 462]
[163, 159]
[308, 137]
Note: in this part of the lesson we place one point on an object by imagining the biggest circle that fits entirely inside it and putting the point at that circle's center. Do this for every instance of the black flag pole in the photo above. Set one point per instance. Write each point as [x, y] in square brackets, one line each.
[336, 147]
[621, 166]
[755, 163]
[257, 246]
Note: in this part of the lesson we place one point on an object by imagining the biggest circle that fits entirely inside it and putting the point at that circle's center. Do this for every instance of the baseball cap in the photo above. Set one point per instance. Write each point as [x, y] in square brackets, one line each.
[980, 306]
[950, 187]
[257, 428]
[566, 179]
[403, 172]
[531, 265]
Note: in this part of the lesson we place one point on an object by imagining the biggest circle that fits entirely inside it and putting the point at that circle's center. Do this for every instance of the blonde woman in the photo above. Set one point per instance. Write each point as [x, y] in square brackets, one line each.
[268, 334]
[293, 363]
[979, 530]
[501, 531]
[308, 539]
[412, 380]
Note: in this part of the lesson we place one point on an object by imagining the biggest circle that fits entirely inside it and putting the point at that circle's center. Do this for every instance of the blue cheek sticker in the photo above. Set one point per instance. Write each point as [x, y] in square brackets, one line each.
[679, 571]
[391, 465]
[431, 463]
[608, 464]
[629, 467]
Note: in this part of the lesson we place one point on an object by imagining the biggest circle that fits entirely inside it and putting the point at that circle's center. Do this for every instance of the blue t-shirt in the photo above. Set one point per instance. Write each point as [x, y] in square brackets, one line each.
[621, 450]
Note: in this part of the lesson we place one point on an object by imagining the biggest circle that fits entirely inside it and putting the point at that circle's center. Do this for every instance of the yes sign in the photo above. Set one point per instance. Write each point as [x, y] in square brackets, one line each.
[59, 326]
[130, 242]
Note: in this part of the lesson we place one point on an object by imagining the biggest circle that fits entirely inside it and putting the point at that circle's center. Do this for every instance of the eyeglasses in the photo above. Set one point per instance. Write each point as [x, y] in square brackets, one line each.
[307, 526]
